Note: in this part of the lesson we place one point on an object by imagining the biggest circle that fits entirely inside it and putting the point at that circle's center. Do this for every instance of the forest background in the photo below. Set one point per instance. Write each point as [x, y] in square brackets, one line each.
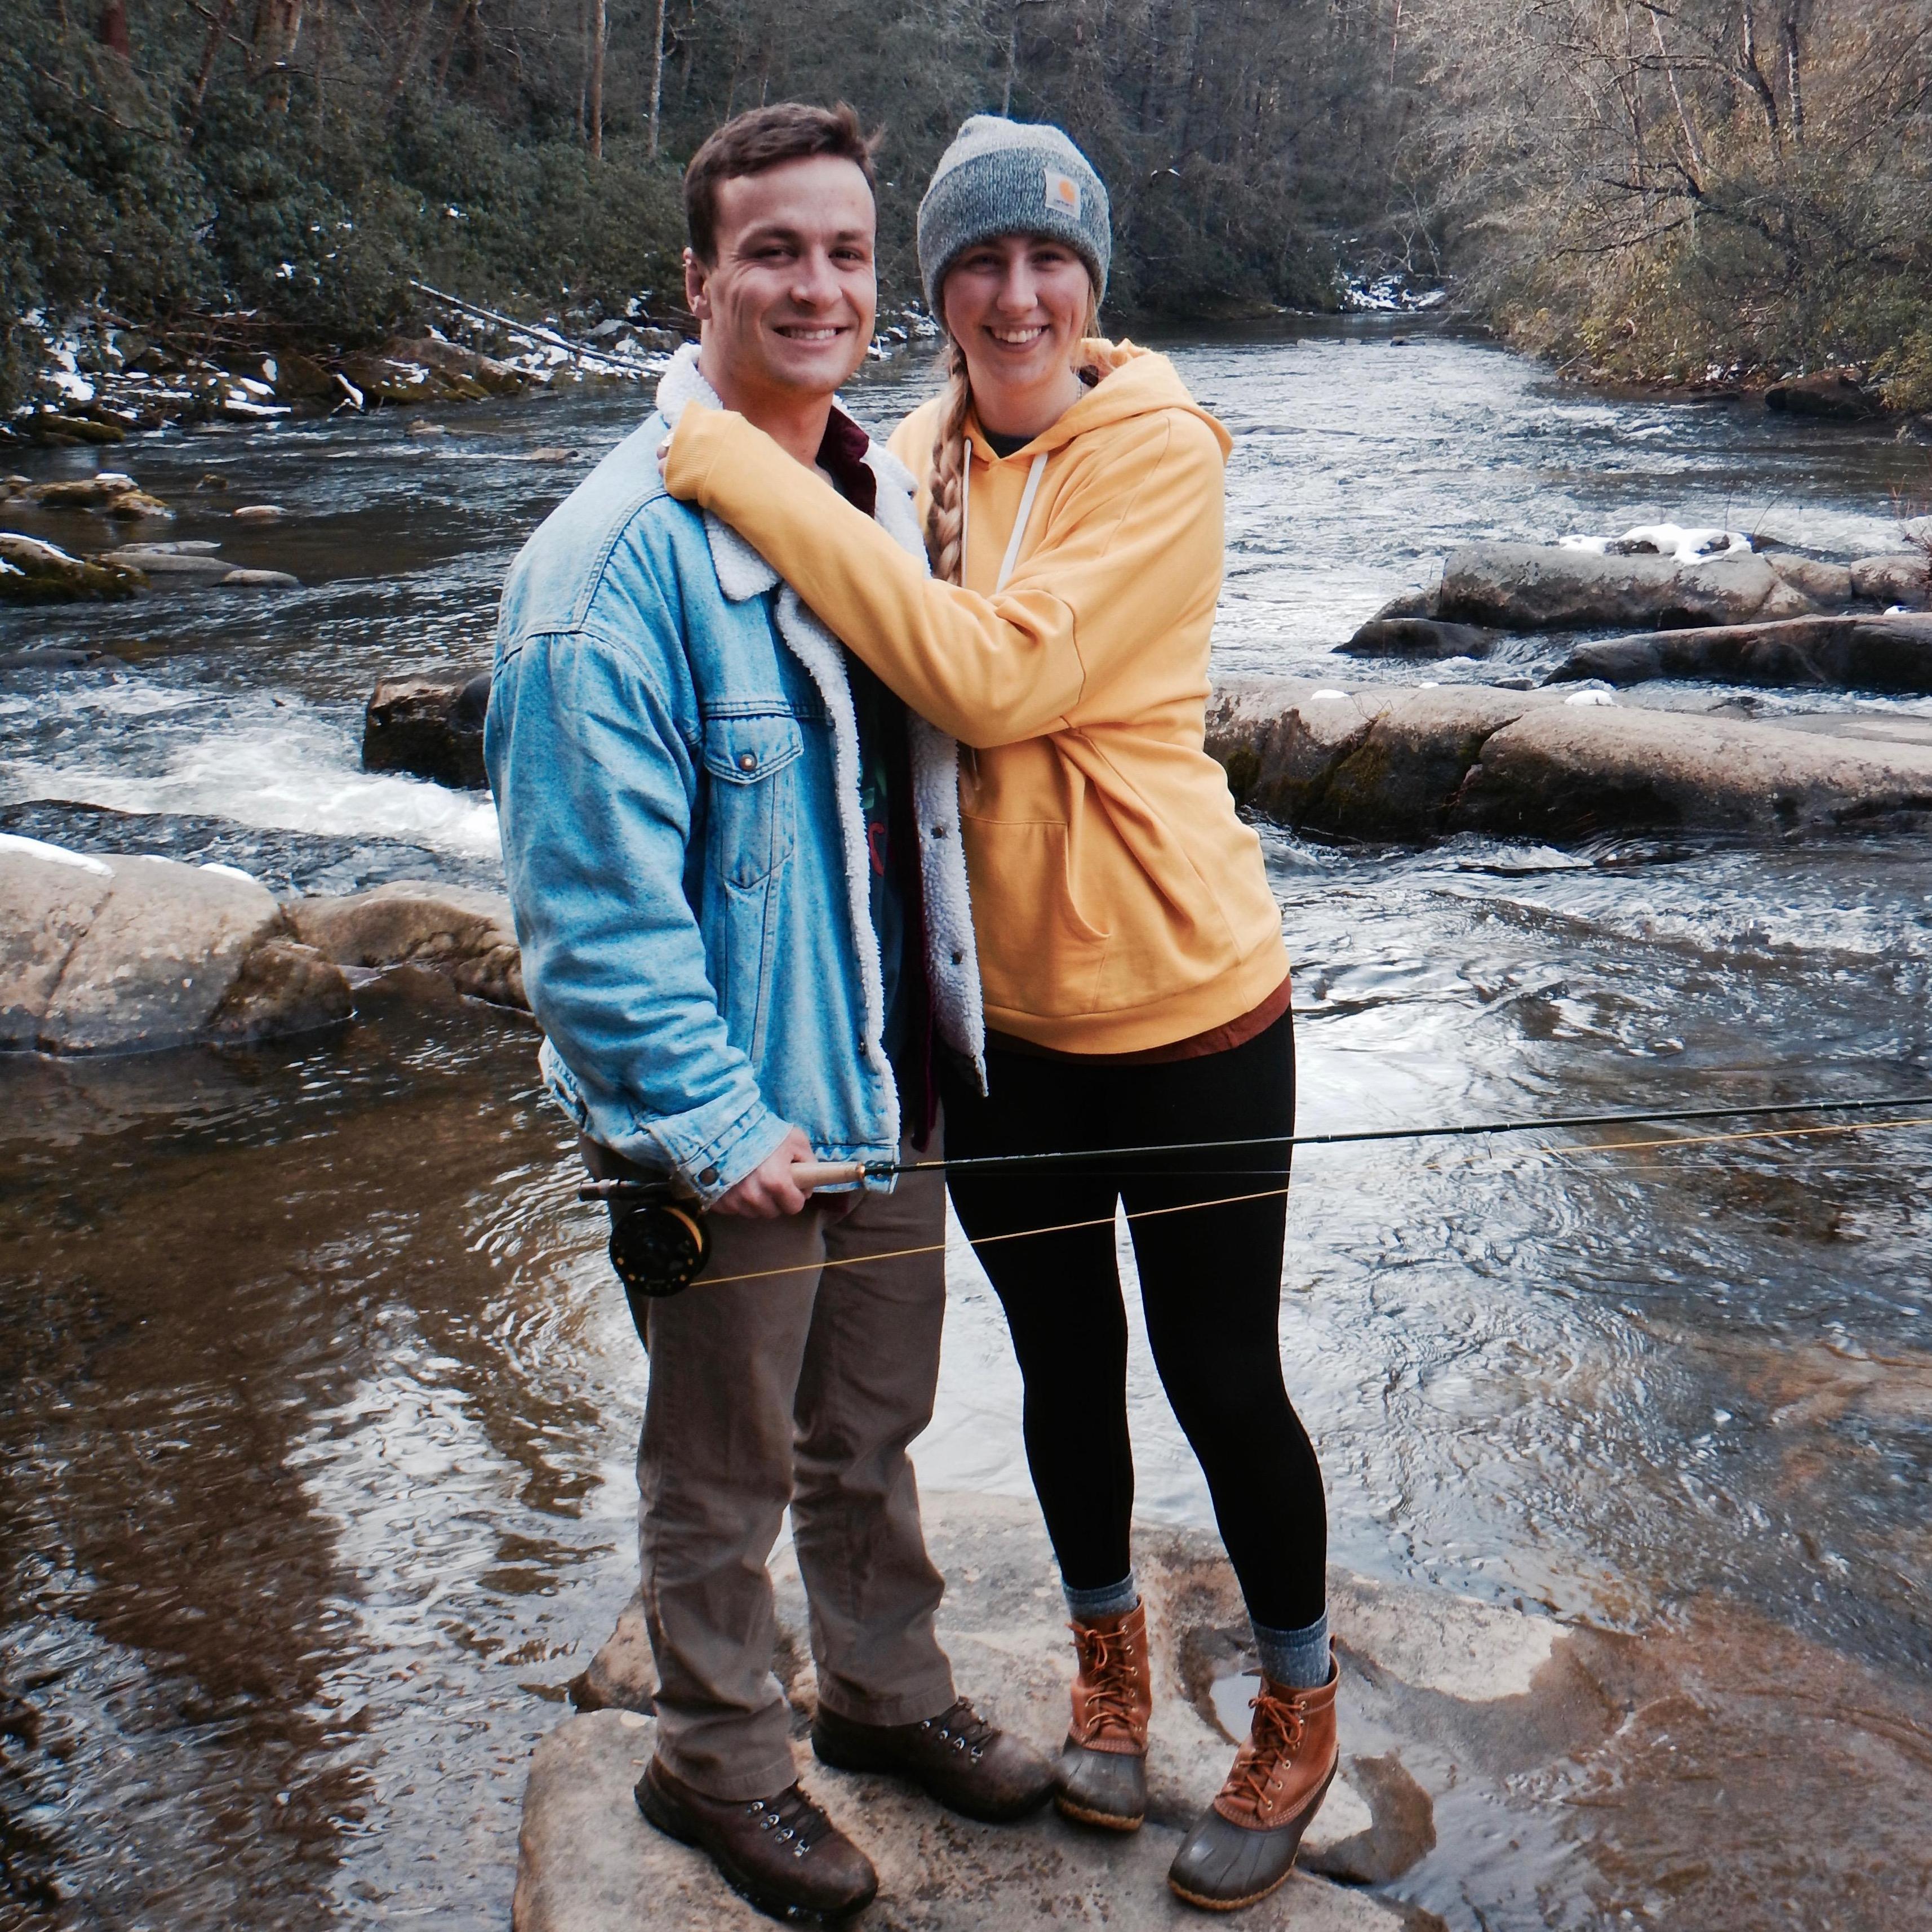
[1710, 190]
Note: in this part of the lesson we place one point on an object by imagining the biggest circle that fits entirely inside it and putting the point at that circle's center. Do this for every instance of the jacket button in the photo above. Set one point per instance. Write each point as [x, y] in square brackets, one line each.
[939, 832]
[708, 1175]
[748, 761]
[958, 958]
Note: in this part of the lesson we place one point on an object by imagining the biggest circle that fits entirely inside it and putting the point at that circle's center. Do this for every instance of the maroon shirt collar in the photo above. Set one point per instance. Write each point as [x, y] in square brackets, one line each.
[842, 455]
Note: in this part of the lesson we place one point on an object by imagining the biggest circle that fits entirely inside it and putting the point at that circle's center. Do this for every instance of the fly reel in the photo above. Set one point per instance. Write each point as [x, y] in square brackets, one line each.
[659, 1243]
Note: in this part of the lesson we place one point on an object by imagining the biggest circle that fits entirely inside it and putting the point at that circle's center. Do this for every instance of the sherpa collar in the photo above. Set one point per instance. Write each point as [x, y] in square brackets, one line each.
[741, 572]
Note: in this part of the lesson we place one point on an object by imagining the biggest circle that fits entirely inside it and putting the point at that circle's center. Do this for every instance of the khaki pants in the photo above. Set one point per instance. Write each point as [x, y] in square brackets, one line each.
[800, 1389]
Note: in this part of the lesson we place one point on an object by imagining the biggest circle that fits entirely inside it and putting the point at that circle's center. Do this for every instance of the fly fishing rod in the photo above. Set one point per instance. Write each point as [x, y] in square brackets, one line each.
[660, 1241]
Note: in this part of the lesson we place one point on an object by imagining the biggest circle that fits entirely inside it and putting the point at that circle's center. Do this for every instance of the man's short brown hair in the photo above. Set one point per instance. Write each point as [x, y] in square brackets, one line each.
[767, 137]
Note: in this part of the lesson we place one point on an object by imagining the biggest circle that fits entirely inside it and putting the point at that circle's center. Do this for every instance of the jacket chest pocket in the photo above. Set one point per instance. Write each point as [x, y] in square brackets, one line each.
[752, 765]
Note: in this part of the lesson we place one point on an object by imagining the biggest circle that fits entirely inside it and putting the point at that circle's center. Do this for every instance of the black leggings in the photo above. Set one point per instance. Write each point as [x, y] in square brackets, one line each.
[1210, 1284]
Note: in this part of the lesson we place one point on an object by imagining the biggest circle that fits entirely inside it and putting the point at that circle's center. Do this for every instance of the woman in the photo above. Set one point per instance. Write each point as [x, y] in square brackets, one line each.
[1136, 984]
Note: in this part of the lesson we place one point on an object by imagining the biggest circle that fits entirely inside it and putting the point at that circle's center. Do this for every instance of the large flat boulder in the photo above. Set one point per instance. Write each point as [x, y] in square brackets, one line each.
[1560, 772]
[588, 1862]
[1415, 763]
[129, 954]
[1545, 587]
[1462, 1689]
[1887, 654]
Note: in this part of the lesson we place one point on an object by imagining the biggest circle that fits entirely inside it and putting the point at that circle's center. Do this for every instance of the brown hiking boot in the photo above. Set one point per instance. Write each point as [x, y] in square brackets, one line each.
[957, 1759]
[781, 1854]
[1245, 1843]
[1103, 1769]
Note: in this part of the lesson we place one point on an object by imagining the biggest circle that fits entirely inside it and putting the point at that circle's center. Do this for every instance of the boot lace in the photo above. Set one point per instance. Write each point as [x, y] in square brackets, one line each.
[962, 1727]
[1279, 1724]
[792, 1819]
[1107, 1660]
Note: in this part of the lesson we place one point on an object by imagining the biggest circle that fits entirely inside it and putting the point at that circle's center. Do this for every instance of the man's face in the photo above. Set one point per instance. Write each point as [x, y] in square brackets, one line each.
[788, 306]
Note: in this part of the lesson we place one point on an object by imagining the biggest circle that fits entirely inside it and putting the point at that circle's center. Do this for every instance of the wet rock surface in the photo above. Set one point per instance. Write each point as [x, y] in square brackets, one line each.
[430, 725]
[1002, 1625]
[1833, 394]
[1884, 654]
[33, 572]
[1542, 587]
[128, 955]
[1420, 762]
[466, 936]
[133, 954]
[1419, 637]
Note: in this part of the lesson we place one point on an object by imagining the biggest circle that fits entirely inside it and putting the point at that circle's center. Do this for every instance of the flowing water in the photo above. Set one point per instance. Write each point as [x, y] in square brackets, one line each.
[319, 1402]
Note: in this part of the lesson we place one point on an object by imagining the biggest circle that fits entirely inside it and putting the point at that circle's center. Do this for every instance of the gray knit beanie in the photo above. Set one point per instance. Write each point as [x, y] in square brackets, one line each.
[1003, 177]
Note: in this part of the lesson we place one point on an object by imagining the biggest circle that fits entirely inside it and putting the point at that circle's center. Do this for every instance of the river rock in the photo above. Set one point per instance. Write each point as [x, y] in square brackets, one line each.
[1887, 654]
[429, 724]
[298, 378]
[1544, 587]
[465, 935]
[65, 426]
[1560, 772]
[1904, 578]
[1388, 766]
[52, 657]
[1415, 763]
[122, 955]
[259, 513]
[82, 493]
[182, 562]
[1466, 1689]
[465, 372]
[1834, 394]
[1828, 585]
[258, 579]
[33, 572]
[1418, 637]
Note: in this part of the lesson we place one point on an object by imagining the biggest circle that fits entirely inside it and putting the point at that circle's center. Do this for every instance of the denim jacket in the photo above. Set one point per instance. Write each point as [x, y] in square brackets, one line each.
[674, 754]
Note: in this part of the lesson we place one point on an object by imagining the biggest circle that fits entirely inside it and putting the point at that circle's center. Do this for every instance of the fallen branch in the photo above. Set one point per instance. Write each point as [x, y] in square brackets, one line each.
[535, 330]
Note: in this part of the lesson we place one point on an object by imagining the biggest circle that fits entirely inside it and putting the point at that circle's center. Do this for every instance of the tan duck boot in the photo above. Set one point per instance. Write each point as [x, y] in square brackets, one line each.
[1245, 1843]
[1103, 1768]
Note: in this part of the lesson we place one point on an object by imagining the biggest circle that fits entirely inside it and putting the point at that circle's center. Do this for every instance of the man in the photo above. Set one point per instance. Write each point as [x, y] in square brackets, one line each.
[735, 862]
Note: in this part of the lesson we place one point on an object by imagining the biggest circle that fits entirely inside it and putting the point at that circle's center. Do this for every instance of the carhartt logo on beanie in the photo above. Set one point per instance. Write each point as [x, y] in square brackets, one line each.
[1011, 177]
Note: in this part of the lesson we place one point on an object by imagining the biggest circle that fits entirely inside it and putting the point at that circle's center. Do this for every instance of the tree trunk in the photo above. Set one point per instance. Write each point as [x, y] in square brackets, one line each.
[322, 25]
[599, 28]
[218, 32]
[272, 47]
[112, 31]
[1754, 74]
[463, 13]
[657, 78]
[407, 60]
[1794, 89]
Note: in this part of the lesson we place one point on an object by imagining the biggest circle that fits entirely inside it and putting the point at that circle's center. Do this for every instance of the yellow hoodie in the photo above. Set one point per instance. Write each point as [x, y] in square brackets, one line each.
[1119, 903]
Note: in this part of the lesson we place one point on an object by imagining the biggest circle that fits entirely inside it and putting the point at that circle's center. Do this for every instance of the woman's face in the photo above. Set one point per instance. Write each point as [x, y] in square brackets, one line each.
[1016, 307]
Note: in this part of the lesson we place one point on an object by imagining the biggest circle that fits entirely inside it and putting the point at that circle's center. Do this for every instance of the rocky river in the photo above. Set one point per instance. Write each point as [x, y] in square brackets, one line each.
[318, 1399]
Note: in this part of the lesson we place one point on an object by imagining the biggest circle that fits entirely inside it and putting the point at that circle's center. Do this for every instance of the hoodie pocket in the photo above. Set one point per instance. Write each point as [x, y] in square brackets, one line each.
[754, 803]
[1038, 953]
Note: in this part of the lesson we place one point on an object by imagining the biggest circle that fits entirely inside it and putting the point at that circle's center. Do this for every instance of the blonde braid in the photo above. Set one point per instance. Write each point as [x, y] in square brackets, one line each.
[945, 512]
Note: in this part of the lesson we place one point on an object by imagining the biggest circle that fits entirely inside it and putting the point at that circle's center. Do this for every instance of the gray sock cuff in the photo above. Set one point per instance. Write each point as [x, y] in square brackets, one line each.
[1114, 1600]
[1297, 1658]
